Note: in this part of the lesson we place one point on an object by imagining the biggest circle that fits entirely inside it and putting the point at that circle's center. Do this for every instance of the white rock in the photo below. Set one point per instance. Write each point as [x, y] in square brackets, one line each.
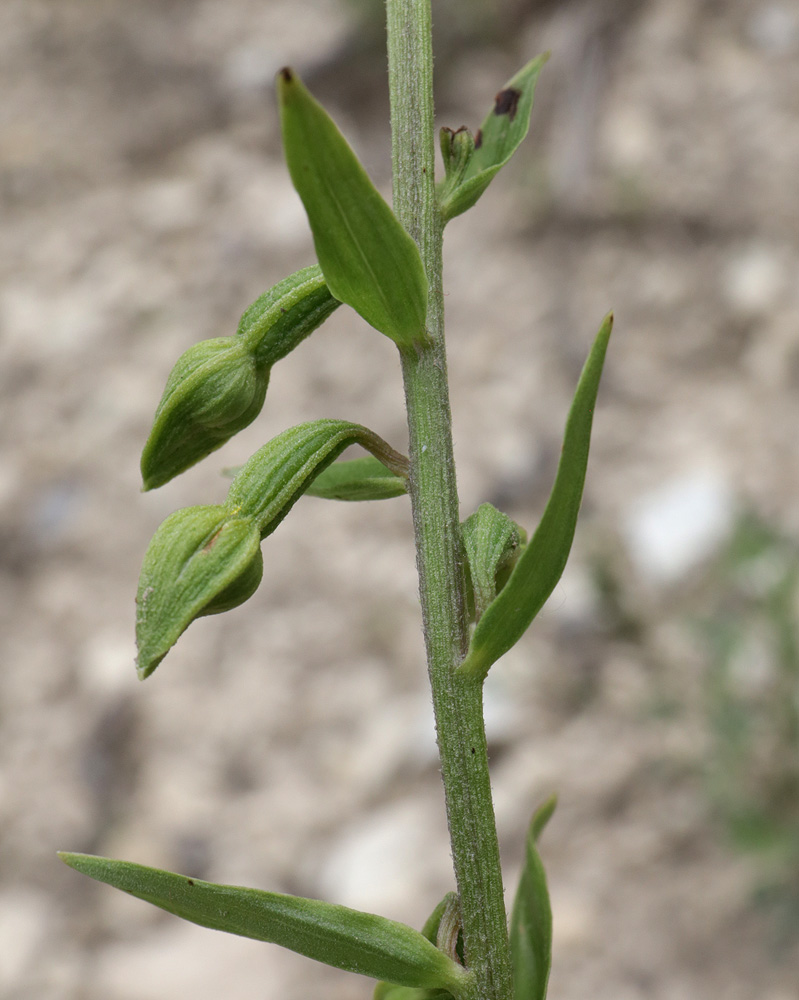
[774, 27]
[574, 600]
[675, 527]
[422, 748]
[180, 960]
[753, 278]
[385, 861]
[503, 714]
[169, 204]
[251, 67]
[107, 659]
[24, 928]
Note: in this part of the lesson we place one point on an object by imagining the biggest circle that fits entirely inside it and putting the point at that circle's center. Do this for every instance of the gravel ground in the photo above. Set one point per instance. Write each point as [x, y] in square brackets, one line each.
[288, 744]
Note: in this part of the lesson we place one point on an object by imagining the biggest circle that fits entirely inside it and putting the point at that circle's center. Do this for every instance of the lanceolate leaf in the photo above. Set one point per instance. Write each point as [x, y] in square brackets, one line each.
[541, 564]
[368, 259]
[204, 560]
[217, 387]
[496, 141]
[338, 936]
[358, 479]
[531, 919]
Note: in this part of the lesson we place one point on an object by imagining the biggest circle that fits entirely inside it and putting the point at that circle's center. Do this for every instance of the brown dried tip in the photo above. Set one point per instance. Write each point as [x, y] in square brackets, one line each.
[478, 139]
[506, 102]
[287, 74]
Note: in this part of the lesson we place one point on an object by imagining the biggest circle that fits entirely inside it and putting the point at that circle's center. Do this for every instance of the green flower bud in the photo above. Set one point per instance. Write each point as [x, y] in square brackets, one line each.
[457, 146]
[215, 390]
[239, 591]
[218, 386]
[492, 542]
[276, 476]
[286, 314]
[471, 164]
[201, 560]
[205, 560]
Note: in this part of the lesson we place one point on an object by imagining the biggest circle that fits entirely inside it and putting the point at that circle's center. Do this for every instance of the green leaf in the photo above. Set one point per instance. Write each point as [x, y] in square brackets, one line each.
[387, 991]
[217, 386]
[200, 561]
[358, 479]
[492, 542]
[344, 938]
[269, 484]
[204, 560]
[496, 141]
[368, 259]
[531, 918]
[541, 565]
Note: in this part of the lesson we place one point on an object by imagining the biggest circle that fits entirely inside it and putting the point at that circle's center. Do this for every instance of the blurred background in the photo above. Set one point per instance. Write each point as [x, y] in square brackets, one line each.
[288, 745]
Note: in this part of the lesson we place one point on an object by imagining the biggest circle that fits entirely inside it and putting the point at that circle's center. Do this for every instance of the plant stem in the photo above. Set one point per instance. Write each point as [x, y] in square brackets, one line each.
[457, 700]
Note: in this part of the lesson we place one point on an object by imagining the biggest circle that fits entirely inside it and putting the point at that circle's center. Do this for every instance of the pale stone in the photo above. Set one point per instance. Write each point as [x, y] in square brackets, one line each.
[674, 528]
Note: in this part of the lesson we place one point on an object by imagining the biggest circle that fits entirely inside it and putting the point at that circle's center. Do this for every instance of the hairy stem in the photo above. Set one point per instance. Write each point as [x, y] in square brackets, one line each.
[457, 700]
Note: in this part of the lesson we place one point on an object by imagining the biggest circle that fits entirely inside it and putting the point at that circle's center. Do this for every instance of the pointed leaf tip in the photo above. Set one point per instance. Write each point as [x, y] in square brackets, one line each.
[336, 935]
[542, 816]
[531, 917]
[369, 261]
[540, 566]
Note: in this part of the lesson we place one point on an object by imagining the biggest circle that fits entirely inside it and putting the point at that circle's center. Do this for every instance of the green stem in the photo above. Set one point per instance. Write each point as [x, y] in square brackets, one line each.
[457, 700]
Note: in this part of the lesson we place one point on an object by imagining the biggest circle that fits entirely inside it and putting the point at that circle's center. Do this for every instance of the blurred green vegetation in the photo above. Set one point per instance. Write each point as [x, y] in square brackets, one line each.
[750, 627]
